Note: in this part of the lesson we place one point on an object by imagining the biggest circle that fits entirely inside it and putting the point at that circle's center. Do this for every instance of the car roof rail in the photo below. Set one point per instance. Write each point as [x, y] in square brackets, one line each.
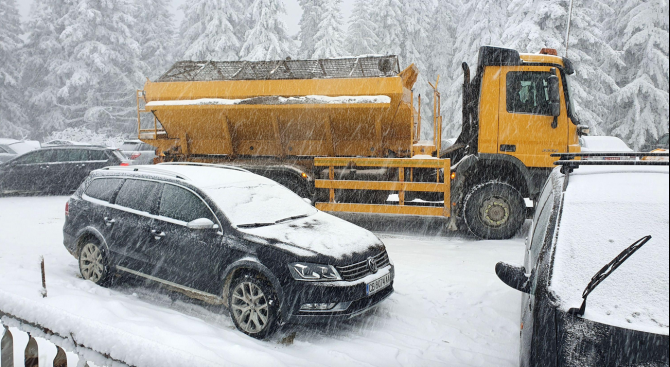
[224, 166]
[147, 169]
[568, 164]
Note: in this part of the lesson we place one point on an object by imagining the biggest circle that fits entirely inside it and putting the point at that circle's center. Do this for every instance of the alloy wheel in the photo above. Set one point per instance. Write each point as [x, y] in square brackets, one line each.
[91, 263]
[250, 307]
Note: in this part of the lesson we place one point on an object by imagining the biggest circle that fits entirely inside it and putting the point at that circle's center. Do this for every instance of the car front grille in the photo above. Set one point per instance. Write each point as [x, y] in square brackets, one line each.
[361, 269]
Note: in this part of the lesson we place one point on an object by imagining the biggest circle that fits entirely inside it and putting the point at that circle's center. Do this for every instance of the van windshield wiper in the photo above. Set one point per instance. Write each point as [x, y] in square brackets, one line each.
[606, 271]
[291, 218]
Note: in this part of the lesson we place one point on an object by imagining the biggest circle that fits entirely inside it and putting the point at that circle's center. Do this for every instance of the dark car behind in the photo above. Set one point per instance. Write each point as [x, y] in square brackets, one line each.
[55, 170]
[581, 228]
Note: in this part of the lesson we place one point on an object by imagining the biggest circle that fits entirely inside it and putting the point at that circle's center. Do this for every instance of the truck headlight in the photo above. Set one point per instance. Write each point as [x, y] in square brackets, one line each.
[313, 272]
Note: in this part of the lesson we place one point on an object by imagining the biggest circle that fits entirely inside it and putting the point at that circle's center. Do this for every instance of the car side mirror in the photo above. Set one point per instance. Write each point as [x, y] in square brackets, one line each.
[554, 96]
[202, 223]
[513, 276]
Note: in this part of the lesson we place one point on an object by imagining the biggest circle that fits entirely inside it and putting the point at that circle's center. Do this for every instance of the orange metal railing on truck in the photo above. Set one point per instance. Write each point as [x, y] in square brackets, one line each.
[401, 186]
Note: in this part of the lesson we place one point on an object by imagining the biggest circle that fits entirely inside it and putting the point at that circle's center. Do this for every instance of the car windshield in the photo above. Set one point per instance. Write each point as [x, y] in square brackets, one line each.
[253, 204]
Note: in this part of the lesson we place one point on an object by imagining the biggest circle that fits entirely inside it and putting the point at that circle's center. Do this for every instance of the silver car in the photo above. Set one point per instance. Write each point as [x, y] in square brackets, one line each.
[138, 152]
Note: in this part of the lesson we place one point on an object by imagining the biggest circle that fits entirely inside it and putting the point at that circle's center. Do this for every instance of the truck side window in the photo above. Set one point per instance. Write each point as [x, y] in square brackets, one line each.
[528, 92]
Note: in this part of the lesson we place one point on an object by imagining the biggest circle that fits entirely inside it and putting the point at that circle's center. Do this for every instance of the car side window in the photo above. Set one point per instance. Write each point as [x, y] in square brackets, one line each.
[70, 155]
[138, 194]
[528, 92]
[103, 188]
[39, 156]
[181, 204]
[97, 155]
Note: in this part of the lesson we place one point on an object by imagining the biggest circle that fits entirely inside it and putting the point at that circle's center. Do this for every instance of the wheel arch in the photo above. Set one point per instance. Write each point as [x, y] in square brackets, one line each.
[243, 266]
[505, 168]
[86, 233]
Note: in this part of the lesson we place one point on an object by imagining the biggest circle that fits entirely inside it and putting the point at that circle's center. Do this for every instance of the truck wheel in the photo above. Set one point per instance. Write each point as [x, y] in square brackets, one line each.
[494, 210]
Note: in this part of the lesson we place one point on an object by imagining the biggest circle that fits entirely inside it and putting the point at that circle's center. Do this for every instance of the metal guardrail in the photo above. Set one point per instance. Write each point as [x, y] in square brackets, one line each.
[62, 343]
[401, 185]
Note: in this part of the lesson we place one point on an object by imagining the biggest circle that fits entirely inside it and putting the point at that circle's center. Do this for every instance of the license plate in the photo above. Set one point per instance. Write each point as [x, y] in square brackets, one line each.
[378, 284]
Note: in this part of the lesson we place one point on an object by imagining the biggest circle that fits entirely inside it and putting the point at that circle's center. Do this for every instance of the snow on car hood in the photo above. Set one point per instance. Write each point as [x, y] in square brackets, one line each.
[319, 233]
[605, 210]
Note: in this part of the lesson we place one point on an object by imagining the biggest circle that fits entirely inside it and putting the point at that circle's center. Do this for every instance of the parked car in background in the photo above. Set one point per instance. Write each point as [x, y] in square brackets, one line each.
[10, 148]
[227, 236]
[55, 169]
[604, 144]
[139, 152]
[595, 277]
[661, 143]
[59, 142]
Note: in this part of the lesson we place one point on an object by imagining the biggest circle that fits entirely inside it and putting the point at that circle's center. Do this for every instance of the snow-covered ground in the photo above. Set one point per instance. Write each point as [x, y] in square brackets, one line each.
[448, 309]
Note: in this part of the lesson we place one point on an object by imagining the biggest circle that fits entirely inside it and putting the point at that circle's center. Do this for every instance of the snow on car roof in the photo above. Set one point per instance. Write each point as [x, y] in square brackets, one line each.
[603, 144]
[605, 210]
[202, 176]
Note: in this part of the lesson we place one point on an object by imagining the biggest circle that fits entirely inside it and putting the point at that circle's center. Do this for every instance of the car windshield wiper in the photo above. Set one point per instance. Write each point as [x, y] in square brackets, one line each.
[291, 218]
[606, 271]
[254, 225]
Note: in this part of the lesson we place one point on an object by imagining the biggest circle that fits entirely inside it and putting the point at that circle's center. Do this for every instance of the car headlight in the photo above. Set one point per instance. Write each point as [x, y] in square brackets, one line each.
[313, 272]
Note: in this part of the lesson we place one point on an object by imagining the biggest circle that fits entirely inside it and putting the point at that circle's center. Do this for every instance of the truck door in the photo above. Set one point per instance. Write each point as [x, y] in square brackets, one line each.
[525, 124]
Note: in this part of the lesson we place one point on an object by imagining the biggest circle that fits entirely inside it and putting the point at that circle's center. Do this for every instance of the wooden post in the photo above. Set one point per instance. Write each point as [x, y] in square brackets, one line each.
[401, 193]
[7, 349]
[61, 359]
[44, 278]
[183, 141]
[331, 176]
[447, 187]
[31, 354]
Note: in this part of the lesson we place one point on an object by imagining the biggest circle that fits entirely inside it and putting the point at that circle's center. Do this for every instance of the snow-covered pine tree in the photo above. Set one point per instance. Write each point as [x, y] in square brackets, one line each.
[155, 33]
[538, 24]
[102, 67]
[309, 25]
[12, 117]
[329, 38]
[480, 22]
[640, 33]
[209, 30]
[268, 38]
[362, 36]
[41, 57]
[388, 18]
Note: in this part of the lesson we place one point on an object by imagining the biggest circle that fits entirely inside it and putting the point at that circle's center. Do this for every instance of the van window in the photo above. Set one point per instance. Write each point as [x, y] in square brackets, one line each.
[103, 188]
[528, 92]
[139, 195]
[181, 204]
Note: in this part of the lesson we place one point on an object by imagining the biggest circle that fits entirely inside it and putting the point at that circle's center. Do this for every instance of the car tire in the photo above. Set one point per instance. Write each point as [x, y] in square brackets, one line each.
[253, 306]
[93, 263]
[494, 210]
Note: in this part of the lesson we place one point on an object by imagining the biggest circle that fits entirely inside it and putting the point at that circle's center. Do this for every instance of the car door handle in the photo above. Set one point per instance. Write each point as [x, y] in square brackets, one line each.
[109, 221]
[157, 235]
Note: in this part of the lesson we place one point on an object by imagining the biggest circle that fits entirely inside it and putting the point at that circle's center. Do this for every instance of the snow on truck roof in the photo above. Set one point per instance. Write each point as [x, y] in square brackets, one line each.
[605, 210]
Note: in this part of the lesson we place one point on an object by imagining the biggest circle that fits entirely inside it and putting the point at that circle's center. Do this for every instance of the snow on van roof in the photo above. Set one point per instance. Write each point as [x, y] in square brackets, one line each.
[200, 175]
[603, 144]
[605, 210]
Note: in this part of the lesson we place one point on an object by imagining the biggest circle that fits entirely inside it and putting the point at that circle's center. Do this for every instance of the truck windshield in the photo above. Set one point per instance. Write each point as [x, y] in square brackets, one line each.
[254, 204]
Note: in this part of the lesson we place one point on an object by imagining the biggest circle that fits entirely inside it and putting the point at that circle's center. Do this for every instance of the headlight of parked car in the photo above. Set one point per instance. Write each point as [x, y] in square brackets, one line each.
[313, 272]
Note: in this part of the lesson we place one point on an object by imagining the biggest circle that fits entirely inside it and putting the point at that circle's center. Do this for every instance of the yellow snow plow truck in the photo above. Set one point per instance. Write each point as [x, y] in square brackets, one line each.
[344, 132]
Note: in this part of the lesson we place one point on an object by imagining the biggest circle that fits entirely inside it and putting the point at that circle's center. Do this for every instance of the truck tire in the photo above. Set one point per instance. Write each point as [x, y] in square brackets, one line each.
[494, 210]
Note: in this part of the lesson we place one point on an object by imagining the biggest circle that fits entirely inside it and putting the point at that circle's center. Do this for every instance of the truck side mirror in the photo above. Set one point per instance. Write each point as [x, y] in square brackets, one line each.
[513, 276]
[554, 96]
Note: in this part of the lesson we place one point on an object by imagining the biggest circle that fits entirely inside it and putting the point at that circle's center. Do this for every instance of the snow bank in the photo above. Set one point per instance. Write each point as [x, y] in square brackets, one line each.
[275, 100]
[605, 211]
[592, 144]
